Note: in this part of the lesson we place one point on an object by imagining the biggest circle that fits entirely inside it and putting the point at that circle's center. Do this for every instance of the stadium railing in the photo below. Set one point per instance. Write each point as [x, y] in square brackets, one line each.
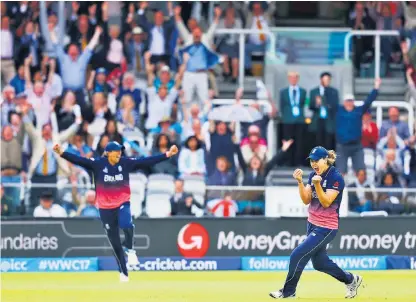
[377, 34]
[242, 33]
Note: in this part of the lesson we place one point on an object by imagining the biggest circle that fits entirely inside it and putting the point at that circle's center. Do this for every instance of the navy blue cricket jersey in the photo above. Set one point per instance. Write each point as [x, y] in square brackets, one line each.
[326, 217]
[112, 182]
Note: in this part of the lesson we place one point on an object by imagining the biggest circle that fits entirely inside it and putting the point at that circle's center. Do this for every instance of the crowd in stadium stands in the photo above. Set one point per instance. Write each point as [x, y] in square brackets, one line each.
[73, 77]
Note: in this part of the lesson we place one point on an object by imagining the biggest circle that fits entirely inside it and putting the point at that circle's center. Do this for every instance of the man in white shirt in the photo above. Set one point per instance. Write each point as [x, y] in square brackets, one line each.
[7, 68]
[48, 209]
[159, 33]
[256, 42]
[160, 105]
[40, 95]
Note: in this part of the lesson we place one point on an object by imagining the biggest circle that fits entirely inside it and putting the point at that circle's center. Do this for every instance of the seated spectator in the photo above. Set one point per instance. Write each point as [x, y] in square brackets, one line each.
[127, 87]
[39, 95]
[369, 132]
[161, 146]
[253, 147]
[184, 204]
[358, 200]
[412, 165]
[98, 82]
[7, 103]
[18, 82]
[391, 141]
[98, 109]
[88, 209]
[390, 201]
[6, 203]
[192, 158]
[223, 175]
[402, 128]
[112, 132]
[67, 110]
[221, 144]
[223, 207]
[390, 164]
[47, 207]
[253, 130]
[256, 170]
[127, 114]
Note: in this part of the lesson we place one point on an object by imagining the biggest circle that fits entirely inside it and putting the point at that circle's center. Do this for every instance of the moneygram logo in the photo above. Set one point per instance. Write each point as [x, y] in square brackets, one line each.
[193, 240]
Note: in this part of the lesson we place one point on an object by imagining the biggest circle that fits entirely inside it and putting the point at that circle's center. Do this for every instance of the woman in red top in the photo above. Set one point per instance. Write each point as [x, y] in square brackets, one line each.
[369, 137]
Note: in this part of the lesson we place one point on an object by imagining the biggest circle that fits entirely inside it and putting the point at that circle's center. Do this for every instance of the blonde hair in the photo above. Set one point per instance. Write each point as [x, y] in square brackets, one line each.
[332, 156]
[124, 99]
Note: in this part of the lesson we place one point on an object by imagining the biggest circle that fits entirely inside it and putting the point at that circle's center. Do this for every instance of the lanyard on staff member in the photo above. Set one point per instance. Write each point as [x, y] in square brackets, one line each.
[322, 109]
[294, 97]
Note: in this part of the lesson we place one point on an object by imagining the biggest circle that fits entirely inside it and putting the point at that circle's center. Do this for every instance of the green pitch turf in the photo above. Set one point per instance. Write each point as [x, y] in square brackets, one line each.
[197, 287]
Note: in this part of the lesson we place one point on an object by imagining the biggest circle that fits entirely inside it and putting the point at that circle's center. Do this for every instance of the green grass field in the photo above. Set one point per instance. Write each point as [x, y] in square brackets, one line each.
[197, 287]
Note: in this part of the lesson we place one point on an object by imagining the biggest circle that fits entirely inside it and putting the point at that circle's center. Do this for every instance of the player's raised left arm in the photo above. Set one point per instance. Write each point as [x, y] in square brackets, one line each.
[75, 159]
[325, 198]
[152, 160]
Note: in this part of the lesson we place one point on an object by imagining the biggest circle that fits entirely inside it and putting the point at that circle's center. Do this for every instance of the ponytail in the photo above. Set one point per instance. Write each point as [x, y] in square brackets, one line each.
[332, 156]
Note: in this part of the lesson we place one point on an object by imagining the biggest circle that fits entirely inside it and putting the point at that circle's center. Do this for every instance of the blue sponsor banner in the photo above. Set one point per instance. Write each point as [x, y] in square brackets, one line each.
[399, 262]
[175, 264]
[345, 262]
[49, 264]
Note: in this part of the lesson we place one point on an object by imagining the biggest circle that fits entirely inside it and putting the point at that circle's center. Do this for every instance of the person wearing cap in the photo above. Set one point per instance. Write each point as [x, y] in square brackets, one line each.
[349, 130]
[97, 82]
[111, 175]
[324, 101]
[47, 207]
[136, 48]
[323, 193]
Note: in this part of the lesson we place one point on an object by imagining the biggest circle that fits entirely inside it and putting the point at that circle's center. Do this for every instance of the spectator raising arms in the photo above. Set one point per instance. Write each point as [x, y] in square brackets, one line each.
[256, 170]
[349, 130]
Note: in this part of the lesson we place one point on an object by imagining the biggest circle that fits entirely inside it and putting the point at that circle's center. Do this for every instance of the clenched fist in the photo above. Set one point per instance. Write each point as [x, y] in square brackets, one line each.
[298, 175]
[57, 149]
[172, 151]
[316, 179]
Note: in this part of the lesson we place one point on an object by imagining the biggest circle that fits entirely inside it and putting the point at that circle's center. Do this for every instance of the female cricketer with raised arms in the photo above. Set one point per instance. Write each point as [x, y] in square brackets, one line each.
[323, 194]
[111, 177]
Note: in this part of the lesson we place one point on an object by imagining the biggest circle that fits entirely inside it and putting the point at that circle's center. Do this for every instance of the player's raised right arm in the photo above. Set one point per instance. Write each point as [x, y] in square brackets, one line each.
[304, 192]
[75, 159]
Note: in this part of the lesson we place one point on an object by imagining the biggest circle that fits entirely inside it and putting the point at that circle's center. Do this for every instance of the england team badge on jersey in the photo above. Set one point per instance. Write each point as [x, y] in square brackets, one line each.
[105, 170]
[120, 169]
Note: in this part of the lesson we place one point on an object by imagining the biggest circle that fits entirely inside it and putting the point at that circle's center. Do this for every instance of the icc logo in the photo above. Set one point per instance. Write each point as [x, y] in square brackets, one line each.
[193, 240]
